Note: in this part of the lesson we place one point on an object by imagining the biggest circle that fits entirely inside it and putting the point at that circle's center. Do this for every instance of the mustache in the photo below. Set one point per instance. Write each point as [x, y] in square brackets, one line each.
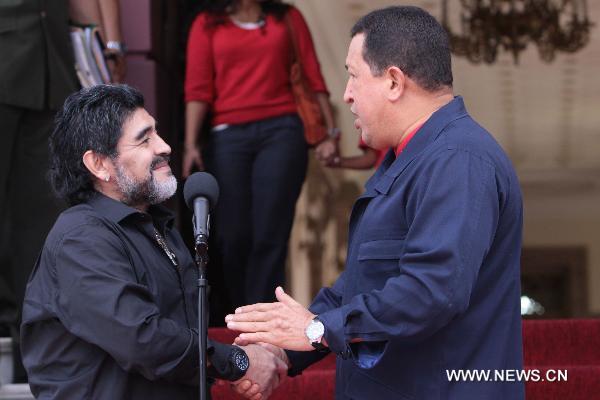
[158, 160]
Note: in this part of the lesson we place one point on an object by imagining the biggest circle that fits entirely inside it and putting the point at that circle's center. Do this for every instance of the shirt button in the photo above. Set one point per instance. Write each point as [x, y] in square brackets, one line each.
[43, 14]
[346, 354]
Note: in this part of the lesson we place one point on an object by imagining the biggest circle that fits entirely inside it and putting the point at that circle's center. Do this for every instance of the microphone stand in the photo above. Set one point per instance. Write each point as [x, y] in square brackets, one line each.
[201, 246]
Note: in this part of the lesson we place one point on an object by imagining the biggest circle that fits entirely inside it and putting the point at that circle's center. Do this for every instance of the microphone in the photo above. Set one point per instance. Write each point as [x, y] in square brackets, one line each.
[201, 193]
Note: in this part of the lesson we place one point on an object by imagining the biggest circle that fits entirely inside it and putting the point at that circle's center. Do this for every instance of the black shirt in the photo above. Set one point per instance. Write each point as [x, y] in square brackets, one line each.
[107, 315]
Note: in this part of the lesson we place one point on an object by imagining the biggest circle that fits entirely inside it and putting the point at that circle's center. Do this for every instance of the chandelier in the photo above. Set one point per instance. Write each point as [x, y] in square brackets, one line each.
[486, 26]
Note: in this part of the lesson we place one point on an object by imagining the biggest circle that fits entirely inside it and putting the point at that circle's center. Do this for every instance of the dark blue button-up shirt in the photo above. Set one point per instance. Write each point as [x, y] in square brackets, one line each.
[432, 281]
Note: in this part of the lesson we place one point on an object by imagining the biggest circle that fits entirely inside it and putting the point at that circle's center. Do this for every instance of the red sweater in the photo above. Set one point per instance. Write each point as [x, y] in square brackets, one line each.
[244, 74]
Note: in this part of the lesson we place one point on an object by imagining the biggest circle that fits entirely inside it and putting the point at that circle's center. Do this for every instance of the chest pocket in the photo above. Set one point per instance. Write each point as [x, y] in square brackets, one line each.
[388, 249]
[378, 260]
[7, 22]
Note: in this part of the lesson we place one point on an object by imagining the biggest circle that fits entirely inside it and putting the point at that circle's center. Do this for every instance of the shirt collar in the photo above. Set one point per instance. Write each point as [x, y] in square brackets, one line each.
[405, 141]
[428, 133]
[117, 211]
[392, 166]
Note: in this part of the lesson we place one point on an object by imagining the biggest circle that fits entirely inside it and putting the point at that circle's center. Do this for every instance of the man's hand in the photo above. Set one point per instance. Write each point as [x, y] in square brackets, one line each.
[278, 352]
[266, 372]
[282, 324]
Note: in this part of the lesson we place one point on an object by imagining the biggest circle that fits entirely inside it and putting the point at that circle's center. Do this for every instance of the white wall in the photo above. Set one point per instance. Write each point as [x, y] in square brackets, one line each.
[561, 207]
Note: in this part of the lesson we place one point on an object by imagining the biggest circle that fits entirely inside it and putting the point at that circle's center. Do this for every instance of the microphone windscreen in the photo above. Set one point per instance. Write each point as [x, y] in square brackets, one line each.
[201, 184]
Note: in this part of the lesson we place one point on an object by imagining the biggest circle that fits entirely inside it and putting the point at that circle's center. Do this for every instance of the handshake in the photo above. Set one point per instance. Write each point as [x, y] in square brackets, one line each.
[268, 368]
[267, 329]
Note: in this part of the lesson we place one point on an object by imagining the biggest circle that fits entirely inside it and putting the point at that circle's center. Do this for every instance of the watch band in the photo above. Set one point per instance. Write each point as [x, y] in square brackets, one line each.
[239, 361]
[315, 332]
[320, 347]
[227, 361]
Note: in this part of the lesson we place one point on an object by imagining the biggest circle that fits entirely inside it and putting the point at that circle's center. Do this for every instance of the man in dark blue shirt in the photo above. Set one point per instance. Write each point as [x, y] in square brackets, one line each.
[431, 284]
[110, 307]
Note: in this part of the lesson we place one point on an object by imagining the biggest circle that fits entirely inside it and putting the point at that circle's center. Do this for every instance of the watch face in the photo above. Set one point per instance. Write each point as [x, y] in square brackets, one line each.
[241, 360]
[315, 330]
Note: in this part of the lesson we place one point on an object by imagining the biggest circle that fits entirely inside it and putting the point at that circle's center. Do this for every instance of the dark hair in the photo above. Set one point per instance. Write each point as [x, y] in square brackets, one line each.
[218, 9]
[91, 119]
[410, 39]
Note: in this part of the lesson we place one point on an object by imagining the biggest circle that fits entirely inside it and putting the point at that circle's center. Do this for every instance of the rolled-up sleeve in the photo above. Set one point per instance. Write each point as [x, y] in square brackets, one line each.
[99, 300]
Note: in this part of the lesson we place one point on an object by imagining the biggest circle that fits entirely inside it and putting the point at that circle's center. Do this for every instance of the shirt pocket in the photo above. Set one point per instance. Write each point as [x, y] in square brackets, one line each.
[387, 249]
[378, 261]
[8, 20]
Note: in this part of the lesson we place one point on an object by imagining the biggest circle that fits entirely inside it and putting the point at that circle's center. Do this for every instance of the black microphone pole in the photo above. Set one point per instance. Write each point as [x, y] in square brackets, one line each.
[201, 247]
[201, 193]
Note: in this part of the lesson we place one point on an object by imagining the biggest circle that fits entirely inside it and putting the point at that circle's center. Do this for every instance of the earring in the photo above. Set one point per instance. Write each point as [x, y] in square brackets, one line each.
[107, 178]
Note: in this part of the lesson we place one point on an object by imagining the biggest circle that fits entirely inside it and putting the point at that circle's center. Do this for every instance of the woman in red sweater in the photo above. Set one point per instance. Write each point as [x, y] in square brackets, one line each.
[239, 57]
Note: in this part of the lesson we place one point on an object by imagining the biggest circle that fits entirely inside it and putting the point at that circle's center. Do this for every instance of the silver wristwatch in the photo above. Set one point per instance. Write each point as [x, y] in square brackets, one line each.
[314, 332]
[117, 47]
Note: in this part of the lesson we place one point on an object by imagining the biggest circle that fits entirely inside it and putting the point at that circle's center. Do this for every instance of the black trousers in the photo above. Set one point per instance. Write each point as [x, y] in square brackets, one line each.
[27, 207]
[260, 168]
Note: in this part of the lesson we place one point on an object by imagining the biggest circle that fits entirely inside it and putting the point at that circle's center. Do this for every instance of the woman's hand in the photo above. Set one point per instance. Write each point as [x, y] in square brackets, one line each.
[191, 157]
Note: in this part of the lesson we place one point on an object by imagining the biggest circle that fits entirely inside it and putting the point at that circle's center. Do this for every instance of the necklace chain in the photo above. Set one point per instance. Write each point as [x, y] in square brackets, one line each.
[163, 245]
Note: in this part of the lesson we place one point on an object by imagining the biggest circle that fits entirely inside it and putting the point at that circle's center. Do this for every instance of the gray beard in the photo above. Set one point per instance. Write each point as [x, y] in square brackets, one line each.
[147, 192]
